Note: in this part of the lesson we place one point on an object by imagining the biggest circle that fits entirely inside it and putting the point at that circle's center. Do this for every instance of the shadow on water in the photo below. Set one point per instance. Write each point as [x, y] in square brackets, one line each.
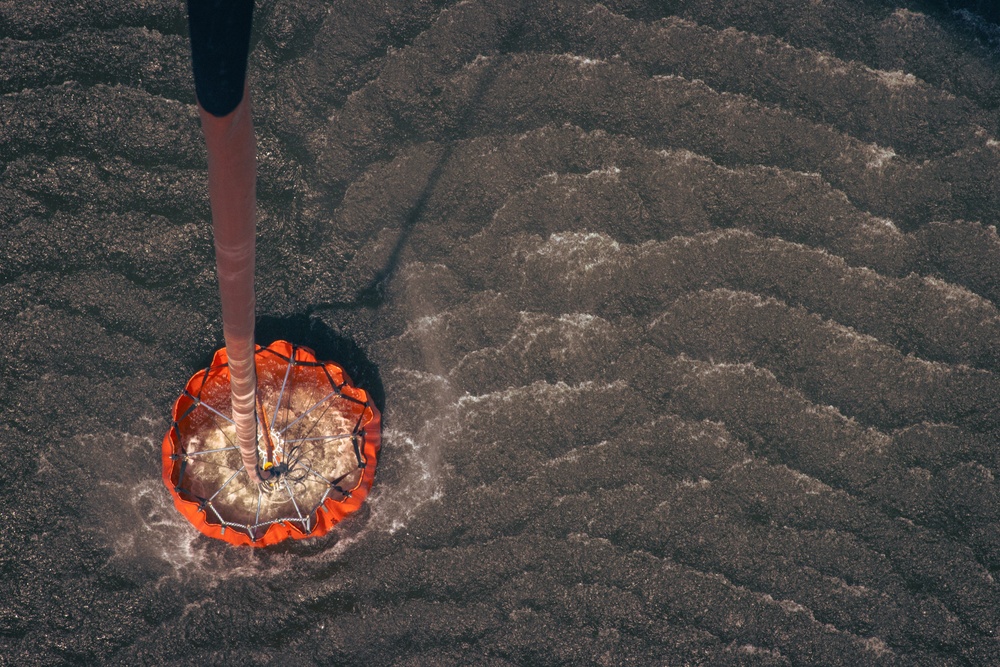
[975, 19]
[373, 294]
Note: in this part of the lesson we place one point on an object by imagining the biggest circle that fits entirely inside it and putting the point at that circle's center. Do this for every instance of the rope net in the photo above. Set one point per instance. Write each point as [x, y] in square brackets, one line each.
[318, 440]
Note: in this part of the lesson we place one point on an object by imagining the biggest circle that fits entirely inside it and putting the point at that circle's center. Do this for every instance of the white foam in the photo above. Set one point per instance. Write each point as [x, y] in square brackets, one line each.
[582, 61]
[896, 78]
[879, 156]
[579, 253]
[540, 393]
[609, 172]
[418, 478]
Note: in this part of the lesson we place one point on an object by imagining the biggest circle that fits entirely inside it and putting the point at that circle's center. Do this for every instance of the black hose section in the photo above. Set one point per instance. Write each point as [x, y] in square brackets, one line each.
[220, 43]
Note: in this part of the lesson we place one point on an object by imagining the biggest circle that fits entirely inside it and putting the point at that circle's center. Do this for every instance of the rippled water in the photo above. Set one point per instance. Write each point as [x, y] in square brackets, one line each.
[683, 322]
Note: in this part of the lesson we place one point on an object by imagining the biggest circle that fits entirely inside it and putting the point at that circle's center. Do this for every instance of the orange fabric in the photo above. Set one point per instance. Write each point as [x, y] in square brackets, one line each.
[331, 511]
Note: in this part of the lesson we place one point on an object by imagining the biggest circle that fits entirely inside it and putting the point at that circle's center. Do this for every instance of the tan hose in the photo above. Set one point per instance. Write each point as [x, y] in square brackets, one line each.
[232, 183]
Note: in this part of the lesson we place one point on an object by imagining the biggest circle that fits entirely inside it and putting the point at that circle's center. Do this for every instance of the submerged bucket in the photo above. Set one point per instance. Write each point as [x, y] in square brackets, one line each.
[319, 438]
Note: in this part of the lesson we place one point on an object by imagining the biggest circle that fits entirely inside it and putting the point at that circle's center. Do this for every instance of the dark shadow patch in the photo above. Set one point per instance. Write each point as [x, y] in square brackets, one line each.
[974, 20]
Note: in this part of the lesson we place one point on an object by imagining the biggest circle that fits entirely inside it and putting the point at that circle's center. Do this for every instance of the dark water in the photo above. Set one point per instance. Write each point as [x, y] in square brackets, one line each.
[684, 315]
